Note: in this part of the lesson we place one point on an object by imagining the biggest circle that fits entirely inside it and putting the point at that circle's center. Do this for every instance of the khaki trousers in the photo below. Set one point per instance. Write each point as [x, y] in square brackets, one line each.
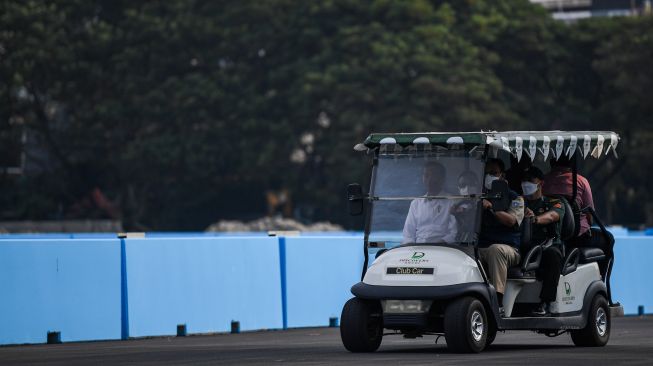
[497, 258]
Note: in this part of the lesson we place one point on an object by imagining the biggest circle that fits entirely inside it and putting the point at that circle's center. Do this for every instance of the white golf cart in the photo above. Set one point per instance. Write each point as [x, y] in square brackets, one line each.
[434, 284]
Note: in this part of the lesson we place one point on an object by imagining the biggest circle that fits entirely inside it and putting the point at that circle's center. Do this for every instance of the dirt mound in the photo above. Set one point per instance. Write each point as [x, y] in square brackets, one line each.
[271, 224]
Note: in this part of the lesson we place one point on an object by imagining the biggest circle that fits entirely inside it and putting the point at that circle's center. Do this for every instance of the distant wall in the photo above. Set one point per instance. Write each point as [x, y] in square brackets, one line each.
[93, 288]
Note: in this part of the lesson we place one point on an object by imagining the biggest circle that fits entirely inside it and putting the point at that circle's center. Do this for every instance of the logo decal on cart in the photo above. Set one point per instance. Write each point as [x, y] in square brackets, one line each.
[418, 255]
[416, 258]
[568, 300]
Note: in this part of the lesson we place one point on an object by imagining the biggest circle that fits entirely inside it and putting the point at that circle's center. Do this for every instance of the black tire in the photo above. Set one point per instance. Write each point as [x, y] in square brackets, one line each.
[361, 325]
[461, 316]
[491, 336]
[597, 331]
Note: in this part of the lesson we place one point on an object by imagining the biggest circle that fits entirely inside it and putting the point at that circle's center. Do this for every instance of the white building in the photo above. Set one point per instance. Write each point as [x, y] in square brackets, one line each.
[572, 10]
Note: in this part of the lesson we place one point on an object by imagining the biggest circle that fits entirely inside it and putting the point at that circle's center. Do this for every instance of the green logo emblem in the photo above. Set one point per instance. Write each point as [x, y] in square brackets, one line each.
[567, 288]
[418, 255]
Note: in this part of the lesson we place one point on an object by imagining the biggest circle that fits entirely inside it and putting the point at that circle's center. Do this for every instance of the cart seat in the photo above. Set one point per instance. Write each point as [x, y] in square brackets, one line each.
[589, 255]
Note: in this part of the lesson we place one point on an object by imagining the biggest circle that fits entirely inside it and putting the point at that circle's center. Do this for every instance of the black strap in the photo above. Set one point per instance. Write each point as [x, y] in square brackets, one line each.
[574, 178]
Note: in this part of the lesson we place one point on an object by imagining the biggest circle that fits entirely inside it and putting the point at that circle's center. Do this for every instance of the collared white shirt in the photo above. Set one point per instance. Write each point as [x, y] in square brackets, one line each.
[430, 221]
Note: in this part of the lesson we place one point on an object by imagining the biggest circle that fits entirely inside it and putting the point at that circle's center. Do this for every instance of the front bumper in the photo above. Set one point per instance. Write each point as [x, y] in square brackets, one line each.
[394, 321]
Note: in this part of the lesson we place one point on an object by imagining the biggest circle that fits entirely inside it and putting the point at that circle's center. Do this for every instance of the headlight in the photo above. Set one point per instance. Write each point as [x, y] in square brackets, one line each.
[406, 306]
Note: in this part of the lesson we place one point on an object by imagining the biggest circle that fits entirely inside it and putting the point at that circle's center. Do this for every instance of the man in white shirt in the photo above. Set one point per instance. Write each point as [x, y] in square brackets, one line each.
[430, 220]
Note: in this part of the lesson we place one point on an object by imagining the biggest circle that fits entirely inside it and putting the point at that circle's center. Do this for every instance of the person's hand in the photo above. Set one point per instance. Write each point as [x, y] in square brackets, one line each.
[487, 204]
[458, 208]
[528, 212]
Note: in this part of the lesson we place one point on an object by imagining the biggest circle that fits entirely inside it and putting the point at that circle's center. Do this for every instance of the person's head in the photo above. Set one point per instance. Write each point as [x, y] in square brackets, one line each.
[531, 184]
[468, 183]
[494, 169]
[563, 163]
[523, 164]
[433, 176]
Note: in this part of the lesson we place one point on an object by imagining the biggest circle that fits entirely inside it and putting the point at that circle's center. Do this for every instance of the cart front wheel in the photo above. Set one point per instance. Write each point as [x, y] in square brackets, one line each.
[466, 325]
[361, 325]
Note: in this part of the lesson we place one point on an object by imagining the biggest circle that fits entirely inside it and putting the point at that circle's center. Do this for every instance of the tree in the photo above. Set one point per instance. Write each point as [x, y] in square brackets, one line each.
[185, 112]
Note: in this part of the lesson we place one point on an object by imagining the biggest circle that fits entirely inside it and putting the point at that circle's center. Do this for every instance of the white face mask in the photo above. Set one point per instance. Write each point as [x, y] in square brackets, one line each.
[488, 180]
[528, 188]
[464, 191]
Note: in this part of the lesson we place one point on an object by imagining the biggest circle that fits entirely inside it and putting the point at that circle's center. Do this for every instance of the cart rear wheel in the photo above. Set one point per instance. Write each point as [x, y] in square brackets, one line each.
[361, 325]
[597, 331]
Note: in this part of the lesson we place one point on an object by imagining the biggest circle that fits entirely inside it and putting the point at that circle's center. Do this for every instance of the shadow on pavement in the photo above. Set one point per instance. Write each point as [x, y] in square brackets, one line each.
[442, 348]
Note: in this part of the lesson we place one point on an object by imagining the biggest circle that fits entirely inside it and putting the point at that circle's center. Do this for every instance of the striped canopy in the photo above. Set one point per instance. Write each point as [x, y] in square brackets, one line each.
[554, 144]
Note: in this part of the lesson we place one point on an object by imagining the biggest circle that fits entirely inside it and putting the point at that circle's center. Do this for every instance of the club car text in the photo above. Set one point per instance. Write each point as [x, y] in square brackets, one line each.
[409, 270]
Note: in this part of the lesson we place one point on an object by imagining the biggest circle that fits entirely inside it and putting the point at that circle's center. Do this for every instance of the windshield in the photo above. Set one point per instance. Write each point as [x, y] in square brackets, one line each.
[427, 197]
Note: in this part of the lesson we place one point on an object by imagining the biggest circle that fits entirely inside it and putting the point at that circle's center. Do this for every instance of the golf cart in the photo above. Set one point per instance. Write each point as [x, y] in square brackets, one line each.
[435, 284]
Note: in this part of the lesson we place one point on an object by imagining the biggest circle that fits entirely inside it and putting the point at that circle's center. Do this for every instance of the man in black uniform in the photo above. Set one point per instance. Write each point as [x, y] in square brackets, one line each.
[547, 216]
[499, 238]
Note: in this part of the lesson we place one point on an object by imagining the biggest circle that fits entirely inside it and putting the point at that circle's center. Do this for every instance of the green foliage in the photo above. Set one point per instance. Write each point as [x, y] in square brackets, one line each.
[185, 112]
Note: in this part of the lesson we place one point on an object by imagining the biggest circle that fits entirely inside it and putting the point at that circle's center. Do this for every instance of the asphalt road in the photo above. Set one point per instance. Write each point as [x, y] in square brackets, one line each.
[631, 343]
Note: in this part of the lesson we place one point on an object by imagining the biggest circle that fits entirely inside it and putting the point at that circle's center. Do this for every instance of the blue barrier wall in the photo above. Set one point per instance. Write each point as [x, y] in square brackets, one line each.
[204, 283]
[72, 287]
[632, 274]
[319, 273]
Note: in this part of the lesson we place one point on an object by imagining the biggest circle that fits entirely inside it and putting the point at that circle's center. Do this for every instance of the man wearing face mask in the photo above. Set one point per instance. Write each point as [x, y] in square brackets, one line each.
[547, 216]
[430, 220]
[500, 235]
[465, 210]
[468, 183]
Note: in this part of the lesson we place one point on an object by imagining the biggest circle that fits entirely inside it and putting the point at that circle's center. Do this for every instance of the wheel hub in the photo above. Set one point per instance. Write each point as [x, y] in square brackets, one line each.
[477, 326]
[601, 322]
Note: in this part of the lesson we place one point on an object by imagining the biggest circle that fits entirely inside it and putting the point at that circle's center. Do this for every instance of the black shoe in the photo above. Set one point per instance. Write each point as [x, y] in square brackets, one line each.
[502, 312]
[541, 310]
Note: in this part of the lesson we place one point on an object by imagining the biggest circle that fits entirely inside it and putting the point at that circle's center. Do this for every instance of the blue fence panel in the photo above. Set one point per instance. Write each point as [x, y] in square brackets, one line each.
[319, 274]
[69, 286]
[632, 276]
[204, 283]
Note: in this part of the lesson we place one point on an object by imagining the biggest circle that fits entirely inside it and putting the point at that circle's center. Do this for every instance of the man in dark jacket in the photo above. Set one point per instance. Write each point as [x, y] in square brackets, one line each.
[547, 213]
[500, 235]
